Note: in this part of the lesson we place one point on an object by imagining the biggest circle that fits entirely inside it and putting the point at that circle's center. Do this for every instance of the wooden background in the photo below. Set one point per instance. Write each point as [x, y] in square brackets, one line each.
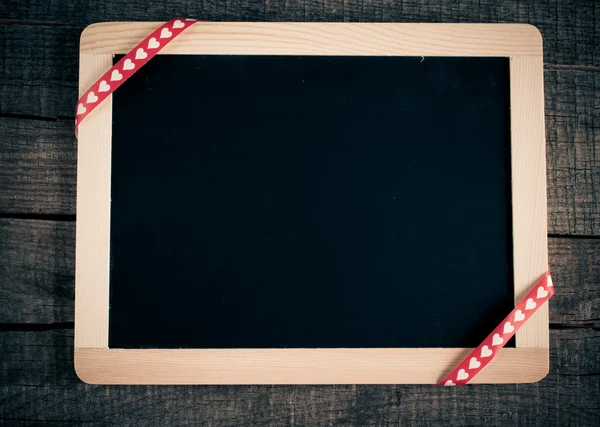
[39, 43]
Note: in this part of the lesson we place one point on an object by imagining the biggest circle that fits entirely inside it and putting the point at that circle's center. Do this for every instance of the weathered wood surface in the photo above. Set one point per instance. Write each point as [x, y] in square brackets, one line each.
[37, 382]
[38, 166]
[575, 265]
[39, 73]
[37, 271]
[573, 151]
[39, 41]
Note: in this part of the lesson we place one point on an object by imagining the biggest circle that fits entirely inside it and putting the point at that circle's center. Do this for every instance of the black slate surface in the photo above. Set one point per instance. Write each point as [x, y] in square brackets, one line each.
[305, 202]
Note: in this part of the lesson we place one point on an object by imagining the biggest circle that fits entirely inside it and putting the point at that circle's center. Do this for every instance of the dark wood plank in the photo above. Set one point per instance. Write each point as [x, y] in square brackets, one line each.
[37, 382]
[39, 73]
[570, 29]
[38, 167]
[36, 271]
[37, 275]
[573, 141]
[286, 11]
[575, 266]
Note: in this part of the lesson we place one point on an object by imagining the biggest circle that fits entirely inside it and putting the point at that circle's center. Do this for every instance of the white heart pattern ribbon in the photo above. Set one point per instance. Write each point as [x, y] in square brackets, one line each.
[128, 65]
[489, 348]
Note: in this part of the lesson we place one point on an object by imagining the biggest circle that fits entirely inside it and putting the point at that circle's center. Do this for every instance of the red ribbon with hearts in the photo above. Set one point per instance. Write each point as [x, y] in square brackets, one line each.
[128, 65]
[157, 40]
[487, 350]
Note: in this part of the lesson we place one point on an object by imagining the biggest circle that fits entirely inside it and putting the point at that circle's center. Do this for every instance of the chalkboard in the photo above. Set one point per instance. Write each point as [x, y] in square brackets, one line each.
[310, 202]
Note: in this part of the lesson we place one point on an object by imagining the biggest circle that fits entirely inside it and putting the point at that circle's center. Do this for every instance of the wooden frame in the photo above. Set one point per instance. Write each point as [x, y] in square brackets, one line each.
[96, 363]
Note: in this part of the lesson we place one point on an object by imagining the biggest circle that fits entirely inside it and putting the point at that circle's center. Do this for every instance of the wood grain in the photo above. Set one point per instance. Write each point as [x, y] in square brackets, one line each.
[269, 38]
[573, 135]
[36, 271]
[43, 386]
[92, 261]
[38, 76]
[37, 166]
[301, 366]
[528, 186]
[575, 265]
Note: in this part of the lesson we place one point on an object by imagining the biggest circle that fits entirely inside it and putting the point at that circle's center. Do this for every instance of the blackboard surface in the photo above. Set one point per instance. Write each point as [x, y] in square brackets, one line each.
[265, 202]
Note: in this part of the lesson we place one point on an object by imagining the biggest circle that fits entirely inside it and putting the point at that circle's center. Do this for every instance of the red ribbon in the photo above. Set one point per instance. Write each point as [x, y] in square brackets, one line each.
[158, 39]
[128, 65]
[487, 350]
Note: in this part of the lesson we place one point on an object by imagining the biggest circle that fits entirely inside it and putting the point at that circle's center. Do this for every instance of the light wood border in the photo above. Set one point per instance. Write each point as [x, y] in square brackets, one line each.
[96, 363]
